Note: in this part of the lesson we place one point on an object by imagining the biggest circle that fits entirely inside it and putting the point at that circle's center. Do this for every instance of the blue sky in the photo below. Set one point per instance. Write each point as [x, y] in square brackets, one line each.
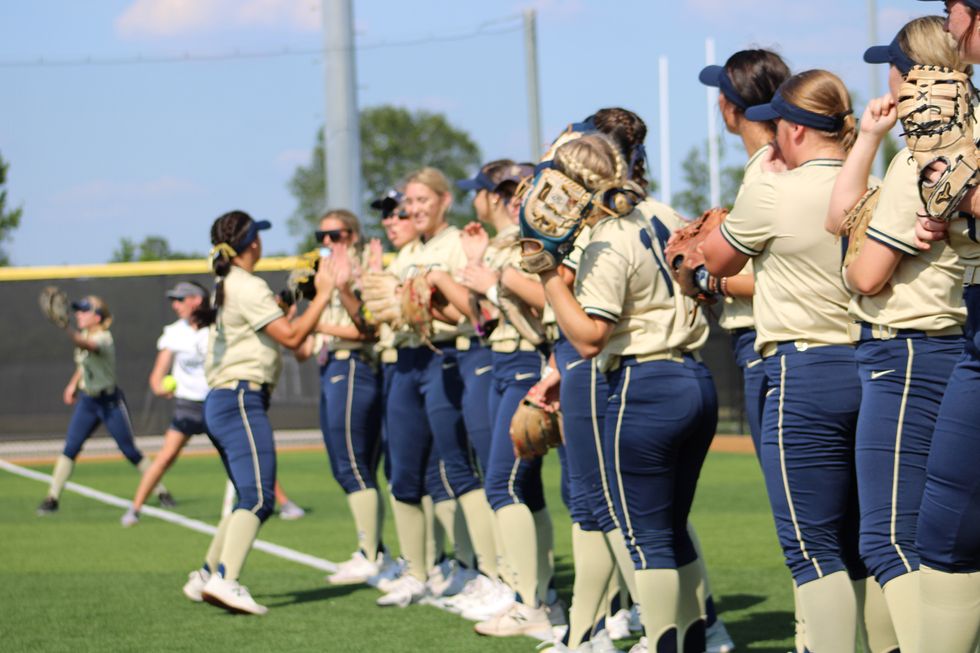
[104, 151]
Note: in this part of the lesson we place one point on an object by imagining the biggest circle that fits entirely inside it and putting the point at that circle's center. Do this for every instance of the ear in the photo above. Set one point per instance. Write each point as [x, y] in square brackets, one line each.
[447, 201]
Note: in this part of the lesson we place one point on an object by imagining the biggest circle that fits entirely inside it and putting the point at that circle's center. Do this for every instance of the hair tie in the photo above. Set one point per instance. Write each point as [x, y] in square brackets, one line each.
[222, 249]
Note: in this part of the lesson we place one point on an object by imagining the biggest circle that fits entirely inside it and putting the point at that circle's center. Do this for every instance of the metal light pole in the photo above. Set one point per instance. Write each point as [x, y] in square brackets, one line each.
[533, 93]
[342, 142]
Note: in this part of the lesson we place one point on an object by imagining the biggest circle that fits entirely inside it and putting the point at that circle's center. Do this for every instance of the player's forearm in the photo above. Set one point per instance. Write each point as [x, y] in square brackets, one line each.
[456, 294]
[530, 291]
[852, 182]
[741, 285]
[587, 334]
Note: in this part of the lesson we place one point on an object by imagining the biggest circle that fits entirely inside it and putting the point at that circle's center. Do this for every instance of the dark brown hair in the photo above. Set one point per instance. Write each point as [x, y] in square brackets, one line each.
[628, 131]
[228, 230]
[756, 74]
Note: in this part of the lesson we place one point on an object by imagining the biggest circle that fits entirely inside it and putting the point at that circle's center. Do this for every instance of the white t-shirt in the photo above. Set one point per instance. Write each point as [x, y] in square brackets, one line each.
[190, 348]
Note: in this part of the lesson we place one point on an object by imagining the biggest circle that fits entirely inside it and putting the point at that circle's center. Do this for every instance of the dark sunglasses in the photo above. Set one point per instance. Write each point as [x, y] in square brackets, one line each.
[401, 215]
[333, 234]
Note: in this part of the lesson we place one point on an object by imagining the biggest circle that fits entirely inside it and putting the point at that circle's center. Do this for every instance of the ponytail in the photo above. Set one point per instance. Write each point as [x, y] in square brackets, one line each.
[227, 229]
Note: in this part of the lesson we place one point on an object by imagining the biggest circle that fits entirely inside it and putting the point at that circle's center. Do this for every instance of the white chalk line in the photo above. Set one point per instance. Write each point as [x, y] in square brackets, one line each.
[193, 524]
[166, 515]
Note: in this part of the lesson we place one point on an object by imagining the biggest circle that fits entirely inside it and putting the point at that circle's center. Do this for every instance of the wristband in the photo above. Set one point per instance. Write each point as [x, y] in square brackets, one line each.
[547, 371]
[493, 295]
[723, 286]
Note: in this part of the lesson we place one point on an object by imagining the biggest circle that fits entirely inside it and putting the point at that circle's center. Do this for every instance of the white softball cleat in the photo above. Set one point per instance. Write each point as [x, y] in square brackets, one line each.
[618, 625]
[196, 580]
[717, 638]
[291, 512]
[640, 646]
[488, 605]
[129, 518]
[518, 619]
[354, 571]
[403, 592]
[602, 642]
[230, 595]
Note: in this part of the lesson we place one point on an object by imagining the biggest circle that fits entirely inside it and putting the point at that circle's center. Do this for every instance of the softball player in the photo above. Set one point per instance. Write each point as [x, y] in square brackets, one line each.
[748, 78]
[182, 348]
[800, 311]
[513, 485]
[910, 315]
[948, 539]
[243, 364]
[623, 309]
[97, 399]
[350, 398]
[423, 405]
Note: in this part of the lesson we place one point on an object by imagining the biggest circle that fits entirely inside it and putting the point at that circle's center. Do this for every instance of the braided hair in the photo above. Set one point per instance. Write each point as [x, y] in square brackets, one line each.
[226, 231]
[628, 131]
[596, 162]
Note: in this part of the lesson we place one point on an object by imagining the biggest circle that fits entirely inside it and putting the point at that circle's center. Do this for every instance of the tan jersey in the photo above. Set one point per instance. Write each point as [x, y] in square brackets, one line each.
[779, 222]
[337, 315]
[239, 349]
[623, 278]
[690, 328]
[98, 368]
[444, 251]
[736, 312]
[388, 338]
[926, 290]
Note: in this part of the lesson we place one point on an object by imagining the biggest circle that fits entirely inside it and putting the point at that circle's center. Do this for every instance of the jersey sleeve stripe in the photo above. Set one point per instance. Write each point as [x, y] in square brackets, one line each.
[734, 242]
[892, 242]
[601, 312]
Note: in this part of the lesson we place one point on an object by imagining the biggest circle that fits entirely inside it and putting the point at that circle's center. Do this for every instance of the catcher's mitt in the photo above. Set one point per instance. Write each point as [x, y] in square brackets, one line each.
[552, 214]
[381, 294]
[416, 306]
[533, 431]
[685, 259]
[934, 105]
[855, 224]
[54, 305]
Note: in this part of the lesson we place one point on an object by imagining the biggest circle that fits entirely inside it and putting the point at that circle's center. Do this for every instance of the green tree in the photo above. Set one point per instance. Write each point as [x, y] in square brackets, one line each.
[394, 142]
[151, 248]
[695, 198]
[9, 218]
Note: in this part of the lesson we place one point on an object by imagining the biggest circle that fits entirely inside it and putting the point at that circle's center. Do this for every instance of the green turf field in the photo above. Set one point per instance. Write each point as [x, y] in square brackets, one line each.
[77, 581]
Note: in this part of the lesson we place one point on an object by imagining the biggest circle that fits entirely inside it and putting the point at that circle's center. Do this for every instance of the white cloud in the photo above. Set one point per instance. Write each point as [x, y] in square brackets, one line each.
[169, 18]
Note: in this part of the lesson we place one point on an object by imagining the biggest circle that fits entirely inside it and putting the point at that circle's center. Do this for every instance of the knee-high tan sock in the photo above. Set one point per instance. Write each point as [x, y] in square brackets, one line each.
[505, 570]
[63, 468]
[217, 542]
[623, 560]
[521, 543]
[364, 508]
[545, 532]
[143, 465]
[830, 612]
[690, 607]
[410, 526]
[613, 588]
[799, 638]
[594, 565]
[462, 544]
[242, 528]
[705, 596]
[874, 621]
[658, 591]
[950, 605]
[435, 535]
[902, 597]
[479, 522]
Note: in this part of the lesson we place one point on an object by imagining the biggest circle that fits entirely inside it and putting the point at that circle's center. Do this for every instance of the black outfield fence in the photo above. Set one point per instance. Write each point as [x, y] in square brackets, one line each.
[36, 357]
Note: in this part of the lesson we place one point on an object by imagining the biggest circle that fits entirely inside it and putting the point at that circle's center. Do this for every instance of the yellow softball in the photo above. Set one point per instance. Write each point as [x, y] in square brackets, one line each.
[169, 383]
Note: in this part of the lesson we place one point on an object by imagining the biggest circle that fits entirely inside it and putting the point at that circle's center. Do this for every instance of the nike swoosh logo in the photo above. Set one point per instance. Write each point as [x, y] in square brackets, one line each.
[752, 364]
[448, 366]
[522, 377]
[875, 375]
[480, 371]
[337, 379]
[770, 391]
[569, 366]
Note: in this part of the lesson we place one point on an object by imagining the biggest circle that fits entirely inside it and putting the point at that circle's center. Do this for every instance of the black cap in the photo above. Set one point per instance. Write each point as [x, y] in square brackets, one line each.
[388, 203]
